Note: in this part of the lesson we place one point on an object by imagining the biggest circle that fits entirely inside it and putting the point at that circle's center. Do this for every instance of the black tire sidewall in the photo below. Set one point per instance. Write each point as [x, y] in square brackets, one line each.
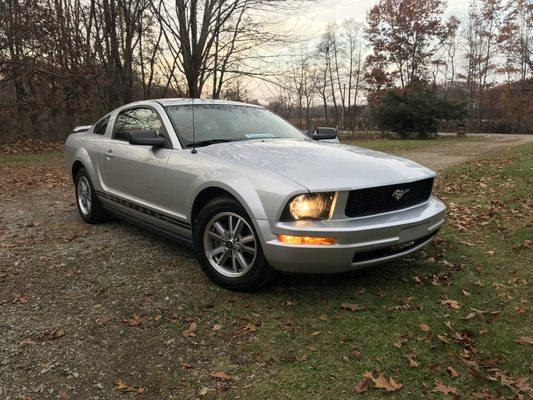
[260, 272]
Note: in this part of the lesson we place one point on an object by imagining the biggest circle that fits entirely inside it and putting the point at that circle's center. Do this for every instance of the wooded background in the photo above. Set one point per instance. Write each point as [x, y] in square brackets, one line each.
[68, 62]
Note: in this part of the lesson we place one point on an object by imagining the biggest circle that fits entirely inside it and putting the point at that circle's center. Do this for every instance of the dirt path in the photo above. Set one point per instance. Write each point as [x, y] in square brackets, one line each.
[440, 157]
[82, 306]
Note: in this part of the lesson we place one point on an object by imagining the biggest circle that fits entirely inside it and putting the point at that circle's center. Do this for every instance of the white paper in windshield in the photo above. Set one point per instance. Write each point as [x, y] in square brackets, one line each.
[259, 135]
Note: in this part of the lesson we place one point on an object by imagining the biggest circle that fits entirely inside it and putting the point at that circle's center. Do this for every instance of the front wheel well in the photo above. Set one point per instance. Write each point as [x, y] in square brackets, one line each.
[204, 197]
[75, 168]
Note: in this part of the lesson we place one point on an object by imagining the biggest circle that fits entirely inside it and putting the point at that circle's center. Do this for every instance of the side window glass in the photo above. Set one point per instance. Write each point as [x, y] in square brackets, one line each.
[101, 126]
[138, 119]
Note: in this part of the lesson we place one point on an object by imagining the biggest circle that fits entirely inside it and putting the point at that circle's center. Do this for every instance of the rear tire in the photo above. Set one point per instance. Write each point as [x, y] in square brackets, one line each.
[89, 207]
[228, 248]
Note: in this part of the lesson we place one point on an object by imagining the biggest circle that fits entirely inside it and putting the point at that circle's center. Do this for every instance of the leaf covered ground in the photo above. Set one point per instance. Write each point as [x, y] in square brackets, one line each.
[110, 311]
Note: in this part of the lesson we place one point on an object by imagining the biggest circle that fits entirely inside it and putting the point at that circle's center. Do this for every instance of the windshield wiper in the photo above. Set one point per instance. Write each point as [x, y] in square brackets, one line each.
[208, 142]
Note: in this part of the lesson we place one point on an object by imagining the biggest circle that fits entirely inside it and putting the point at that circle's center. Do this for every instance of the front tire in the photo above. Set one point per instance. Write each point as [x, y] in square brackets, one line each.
[89, 206]
[228, 248]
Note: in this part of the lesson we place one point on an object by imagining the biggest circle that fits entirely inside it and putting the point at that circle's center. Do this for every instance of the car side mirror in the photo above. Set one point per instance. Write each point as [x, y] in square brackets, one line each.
[146, 138]
[324, 133]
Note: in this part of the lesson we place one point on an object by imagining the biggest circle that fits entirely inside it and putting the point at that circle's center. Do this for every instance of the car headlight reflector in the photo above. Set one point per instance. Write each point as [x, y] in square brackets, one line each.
[310, 206]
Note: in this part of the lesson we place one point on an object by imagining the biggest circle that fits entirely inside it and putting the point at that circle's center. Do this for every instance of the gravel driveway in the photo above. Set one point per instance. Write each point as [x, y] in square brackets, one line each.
[83, 306]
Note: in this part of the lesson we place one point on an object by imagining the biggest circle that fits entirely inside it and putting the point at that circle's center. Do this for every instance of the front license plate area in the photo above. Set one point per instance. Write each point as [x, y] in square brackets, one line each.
[413, 232]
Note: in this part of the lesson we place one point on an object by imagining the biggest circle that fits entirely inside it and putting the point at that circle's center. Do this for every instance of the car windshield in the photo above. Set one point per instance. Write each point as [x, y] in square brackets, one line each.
[228, 122]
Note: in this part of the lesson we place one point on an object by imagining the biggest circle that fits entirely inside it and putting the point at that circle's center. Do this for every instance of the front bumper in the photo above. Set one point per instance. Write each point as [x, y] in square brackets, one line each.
[360, 242]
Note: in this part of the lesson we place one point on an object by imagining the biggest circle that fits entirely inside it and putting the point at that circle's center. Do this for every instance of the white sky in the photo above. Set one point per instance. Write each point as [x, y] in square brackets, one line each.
[311, 22]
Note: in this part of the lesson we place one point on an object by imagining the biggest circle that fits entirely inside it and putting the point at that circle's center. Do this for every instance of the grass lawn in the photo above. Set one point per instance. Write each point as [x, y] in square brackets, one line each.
[29, 157]
[457, 308]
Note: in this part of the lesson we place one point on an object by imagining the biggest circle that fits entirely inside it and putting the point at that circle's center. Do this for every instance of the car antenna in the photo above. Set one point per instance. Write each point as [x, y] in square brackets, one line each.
[193, 133]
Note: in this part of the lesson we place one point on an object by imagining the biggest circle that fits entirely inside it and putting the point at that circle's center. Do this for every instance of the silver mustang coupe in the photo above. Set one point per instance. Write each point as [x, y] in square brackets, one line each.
[250, 192]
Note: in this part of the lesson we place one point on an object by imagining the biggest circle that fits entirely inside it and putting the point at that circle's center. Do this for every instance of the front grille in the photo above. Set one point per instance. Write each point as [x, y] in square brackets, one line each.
[391, 250]
[388, 198]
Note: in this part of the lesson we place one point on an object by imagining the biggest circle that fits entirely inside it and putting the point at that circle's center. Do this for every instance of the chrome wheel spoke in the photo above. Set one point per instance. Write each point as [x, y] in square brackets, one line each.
[247, 239]
[216, 236]
[248, 249]
[241, 260]
[217, 250]
[234, 261]
[238, 227]
[224, 257]
[218, 226]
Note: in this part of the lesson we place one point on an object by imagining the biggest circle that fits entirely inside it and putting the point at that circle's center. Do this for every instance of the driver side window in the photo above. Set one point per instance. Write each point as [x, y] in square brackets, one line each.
[137, 119]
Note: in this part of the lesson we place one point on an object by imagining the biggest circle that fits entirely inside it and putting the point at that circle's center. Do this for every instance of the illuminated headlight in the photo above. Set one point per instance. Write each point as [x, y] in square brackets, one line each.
[309, 206]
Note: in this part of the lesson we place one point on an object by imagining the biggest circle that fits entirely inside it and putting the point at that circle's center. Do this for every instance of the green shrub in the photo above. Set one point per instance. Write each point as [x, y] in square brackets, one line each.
[417, 109]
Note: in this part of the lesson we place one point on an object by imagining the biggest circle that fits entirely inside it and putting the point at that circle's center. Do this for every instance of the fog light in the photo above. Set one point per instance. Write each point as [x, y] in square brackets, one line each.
[305, 240]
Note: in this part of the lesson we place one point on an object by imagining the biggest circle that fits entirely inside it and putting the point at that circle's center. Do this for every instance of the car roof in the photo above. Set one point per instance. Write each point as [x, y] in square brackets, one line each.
[188, 101]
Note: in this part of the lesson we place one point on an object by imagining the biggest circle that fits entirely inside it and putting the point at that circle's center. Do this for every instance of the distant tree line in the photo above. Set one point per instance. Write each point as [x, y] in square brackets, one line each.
[66, 62]
[479, 69]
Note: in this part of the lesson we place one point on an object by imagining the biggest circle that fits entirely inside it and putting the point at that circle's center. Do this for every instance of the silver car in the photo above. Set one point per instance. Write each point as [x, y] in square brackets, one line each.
[248, 191]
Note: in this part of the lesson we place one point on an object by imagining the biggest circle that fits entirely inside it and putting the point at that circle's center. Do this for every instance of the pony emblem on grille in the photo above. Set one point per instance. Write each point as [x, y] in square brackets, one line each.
[399, 193]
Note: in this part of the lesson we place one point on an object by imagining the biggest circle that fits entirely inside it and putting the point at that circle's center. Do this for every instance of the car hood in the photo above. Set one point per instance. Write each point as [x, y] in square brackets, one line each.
[320, 166]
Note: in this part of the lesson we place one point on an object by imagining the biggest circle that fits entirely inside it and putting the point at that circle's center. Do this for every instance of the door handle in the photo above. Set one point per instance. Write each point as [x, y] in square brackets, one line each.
[109, 154]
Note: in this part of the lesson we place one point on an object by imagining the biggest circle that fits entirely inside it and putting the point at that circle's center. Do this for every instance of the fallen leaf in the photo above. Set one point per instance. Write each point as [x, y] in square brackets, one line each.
[424, 327]
[245, 330]
[362, 386]
[216, 327]
[302, 357]
[381, 382]
[453, 372]
[220, 375]
[27, 342]
[203, 391]
[451, 303]
[63, 395]
[358, 354]
[186, 366]
[52, 335]
[19, 298]
[323, 318]
[440, 387]
[525, 340]
[191, 331]
[410, 355]
[136, 320]
[352, 307]
[122, 387]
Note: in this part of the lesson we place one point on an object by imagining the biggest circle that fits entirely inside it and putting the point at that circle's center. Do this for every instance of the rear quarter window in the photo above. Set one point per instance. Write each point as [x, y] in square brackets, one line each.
[101, 126]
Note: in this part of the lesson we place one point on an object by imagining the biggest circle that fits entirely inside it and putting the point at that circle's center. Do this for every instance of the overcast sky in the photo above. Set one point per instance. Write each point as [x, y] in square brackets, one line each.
[309, 23]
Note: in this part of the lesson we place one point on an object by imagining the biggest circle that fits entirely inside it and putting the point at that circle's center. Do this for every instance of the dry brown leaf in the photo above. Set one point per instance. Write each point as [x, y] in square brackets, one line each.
[410, 355]
[440, 387]
[323, 318]
[424, 327]
[122, 387]
[191, 331]
[136, 320]
[381, 382]
[216, 327]
[352, 307]
[302, 357]
[63, 395]
[453, 372]
[362, 386]
[525, 340]
[52, 335]
[19, 298]
[357, 354]
[451, 303]
[246, 329]
[220, 375]
[27, 342]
